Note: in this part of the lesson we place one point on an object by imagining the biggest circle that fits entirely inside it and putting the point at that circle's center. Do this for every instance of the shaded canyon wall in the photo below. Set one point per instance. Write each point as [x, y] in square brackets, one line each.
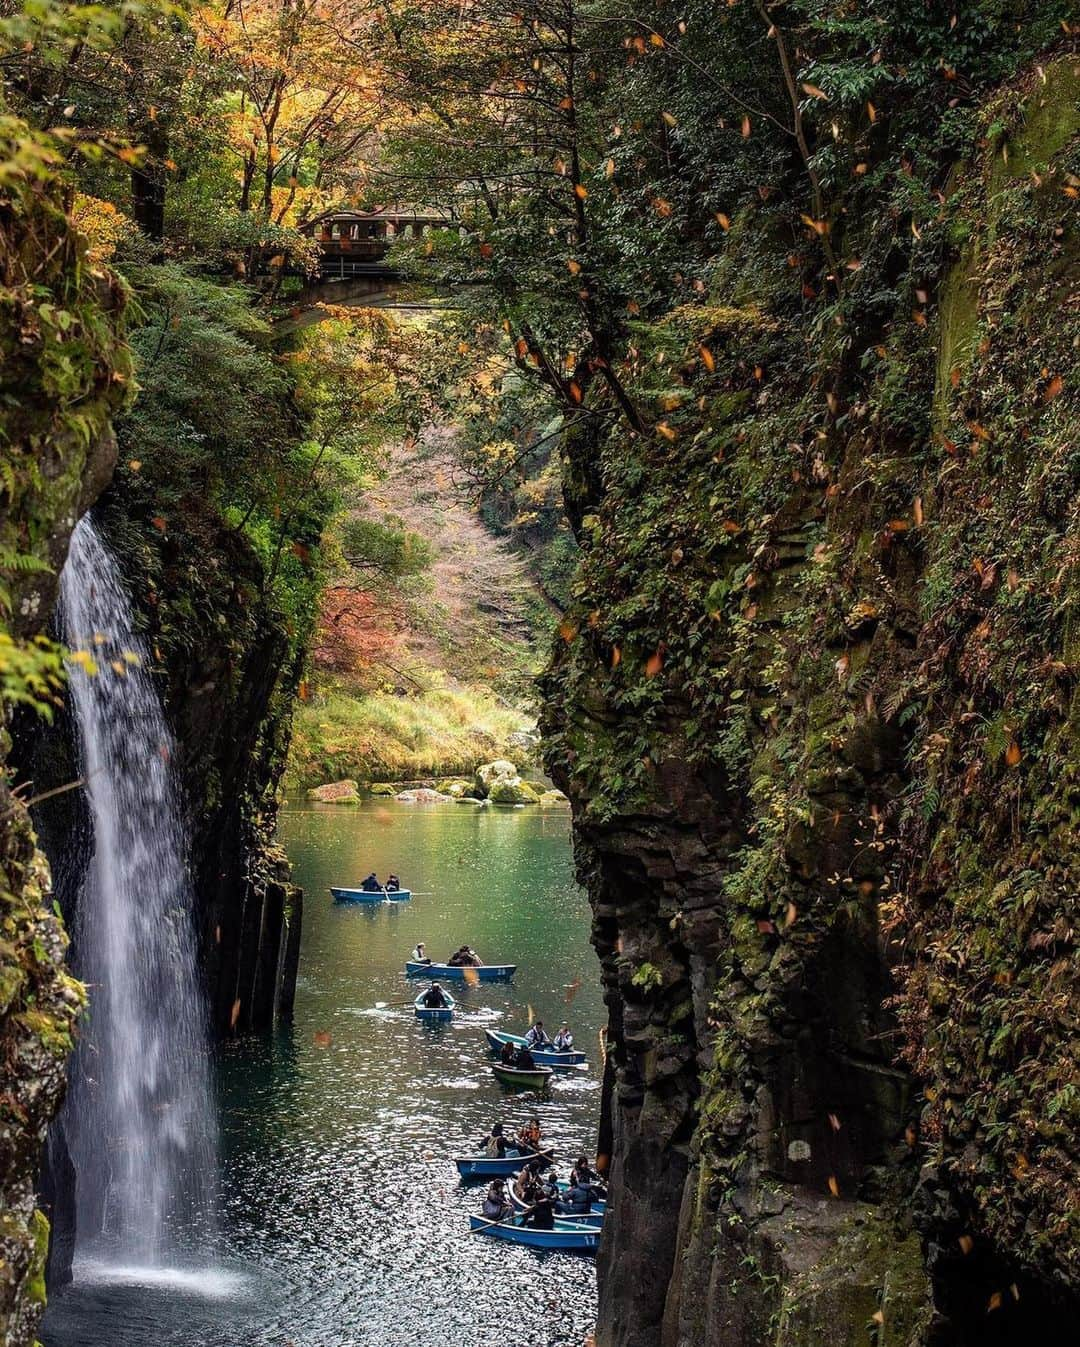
[816, 708]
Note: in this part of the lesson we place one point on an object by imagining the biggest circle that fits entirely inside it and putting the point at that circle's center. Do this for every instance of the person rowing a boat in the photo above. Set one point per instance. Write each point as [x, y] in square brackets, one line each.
[457, 959]
[371, 884]
[435, 998]
[529, 1137]
[537, 1036]
[497, 1205]
[524, 1060]
[419, 954]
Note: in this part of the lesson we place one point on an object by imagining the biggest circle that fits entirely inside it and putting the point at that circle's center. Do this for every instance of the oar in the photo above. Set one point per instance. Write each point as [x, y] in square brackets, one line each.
[475, 1229]
[393, 1005]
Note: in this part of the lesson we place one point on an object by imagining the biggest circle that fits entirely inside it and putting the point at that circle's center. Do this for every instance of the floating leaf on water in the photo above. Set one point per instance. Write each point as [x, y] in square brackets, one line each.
[322, 1038]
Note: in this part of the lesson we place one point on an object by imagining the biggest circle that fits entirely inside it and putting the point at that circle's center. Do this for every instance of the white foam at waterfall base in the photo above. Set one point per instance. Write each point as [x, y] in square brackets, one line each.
[204, 1283]
[138, 1119]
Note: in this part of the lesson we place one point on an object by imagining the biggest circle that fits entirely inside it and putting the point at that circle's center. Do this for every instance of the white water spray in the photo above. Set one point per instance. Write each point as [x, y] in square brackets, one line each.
[139, 1117]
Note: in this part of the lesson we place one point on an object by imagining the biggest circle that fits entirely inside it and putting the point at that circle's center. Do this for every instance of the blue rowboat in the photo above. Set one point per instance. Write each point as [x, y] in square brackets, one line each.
[370, 895]
[434, 1013]
[487, 972]
[561, 1061]
[484, 1167]
[594, 1216]
[566, 1235]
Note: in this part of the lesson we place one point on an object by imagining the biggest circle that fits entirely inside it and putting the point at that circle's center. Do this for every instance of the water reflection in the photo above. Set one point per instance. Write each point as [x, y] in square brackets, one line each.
[344, 1219]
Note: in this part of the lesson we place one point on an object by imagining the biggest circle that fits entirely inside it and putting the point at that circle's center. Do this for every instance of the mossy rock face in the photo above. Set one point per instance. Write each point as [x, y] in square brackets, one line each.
[382, 789]
[554, 799]
[336, 792]
[458, 788]
[512, 792]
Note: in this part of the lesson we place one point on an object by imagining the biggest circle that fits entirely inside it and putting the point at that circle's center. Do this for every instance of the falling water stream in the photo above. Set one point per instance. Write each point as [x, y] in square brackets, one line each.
[139, 1119]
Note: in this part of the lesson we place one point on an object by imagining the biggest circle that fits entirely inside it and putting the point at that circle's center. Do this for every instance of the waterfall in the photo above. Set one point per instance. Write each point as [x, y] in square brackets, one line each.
[139, 1118]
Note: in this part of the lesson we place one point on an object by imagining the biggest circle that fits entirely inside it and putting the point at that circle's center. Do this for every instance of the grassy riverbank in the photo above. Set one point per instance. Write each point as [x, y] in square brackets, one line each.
[385, 737]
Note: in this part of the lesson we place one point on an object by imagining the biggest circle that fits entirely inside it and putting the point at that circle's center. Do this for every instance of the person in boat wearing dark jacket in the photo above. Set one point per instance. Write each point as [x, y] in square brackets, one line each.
[508, 1054]
[393, 884]
[541, 1215]
[575, 1201]
[457, 959]
[497, 1205]
[584, 1176]
[494, 1144]
[371, 884]
[435, 998]
[537, 1035]
[524, 1060]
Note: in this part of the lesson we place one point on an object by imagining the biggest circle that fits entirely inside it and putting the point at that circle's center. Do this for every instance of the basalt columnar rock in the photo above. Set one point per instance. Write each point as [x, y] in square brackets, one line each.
[815, 706]
[63, 370]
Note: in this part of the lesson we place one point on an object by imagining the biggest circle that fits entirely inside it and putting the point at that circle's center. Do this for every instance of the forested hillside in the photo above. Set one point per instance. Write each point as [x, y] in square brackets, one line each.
[752, 373]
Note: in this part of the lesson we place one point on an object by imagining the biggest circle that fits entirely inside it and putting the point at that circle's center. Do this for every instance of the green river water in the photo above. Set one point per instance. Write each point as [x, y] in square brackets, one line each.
[343, 1221]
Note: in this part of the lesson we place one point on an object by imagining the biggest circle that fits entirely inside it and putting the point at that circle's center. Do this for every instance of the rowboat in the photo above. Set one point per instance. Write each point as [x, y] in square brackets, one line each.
[486, 1167]
[370, 895]
[561, 1061]
[566, 1235]
[522, 1080]
[487, 972]
[594, 1216]
[433, 1013]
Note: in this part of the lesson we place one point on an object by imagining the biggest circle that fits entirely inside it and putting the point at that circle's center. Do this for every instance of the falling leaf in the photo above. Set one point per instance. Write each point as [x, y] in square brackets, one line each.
[1053, 388]
[820, 227]
[303, 691]
[486, 250]
[568, 629]
[877, 1317]
[814, 91]
[1013, 754]
[790, 915]
[966, 1244]
[234, 1014]
[134, 464]
[994, 1303]
[158, 522]
[609, 168]
[656, 39]
[616, 657]
[834, 1122]
[871, 112]
[723, 221]
[575, 390]
[834, 1187]
[572, 990]
[917, 511]
[580, 191]
[662, 428]
[911, 1136]
[746, 128]
[654, 664]
[573, 267]
[707, 358]
[322, 1038]
[669, 119]
[662, 207]
[766, 927]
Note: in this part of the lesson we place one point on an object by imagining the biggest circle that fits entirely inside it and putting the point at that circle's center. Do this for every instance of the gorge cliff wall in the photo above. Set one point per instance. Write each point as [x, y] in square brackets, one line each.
[815, 704]
[63, 369]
